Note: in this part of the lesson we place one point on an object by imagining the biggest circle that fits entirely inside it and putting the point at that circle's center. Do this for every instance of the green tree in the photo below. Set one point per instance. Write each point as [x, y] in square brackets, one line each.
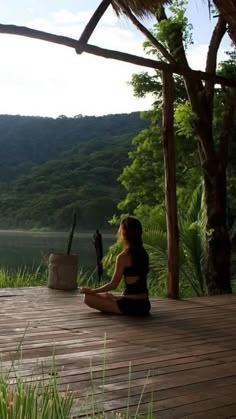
[174, 33]
[83, 177]
[143, 178]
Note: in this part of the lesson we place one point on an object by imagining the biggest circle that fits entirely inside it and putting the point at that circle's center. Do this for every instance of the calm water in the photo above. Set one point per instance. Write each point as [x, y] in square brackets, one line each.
[30, 249]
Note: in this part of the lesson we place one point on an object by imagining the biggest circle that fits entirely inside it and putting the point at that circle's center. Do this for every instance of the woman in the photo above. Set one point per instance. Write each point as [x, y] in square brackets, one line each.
[132, 264]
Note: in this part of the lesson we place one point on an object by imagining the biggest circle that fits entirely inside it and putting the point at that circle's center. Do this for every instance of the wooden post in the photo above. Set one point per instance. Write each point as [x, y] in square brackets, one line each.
[170, 185]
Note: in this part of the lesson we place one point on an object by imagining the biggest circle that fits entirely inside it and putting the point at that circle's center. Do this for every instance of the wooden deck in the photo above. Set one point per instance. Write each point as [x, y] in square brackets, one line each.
[183, 357]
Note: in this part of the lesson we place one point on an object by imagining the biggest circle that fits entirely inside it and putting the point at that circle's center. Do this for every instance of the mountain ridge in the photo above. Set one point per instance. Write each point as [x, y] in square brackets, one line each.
[48, 171]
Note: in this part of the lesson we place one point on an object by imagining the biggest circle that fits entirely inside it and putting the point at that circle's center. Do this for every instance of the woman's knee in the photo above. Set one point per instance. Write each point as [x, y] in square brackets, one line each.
[102, 304]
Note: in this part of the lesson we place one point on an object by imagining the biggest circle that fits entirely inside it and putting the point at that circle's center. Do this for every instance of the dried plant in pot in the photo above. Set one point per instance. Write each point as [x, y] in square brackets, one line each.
[63, 268]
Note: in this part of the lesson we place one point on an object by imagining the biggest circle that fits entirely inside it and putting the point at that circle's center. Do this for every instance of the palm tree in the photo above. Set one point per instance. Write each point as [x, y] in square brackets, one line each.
[192, 228]
[227, 9]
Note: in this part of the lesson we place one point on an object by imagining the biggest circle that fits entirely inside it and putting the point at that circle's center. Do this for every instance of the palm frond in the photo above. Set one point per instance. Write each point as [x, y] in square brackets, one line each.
[194, 268]
[156, 238]
[192, 232]
[196, 203]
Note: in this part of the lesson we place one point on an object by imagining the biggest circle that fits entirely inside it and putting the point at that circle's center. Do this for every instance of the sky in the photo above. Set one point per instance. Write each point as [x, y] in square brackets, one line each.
[44, 79]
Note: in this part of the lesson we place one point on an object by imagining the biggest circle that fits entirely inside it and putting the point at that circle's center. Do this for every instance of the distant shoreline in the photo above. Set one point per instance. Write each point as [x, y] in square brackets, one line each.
[81, 234]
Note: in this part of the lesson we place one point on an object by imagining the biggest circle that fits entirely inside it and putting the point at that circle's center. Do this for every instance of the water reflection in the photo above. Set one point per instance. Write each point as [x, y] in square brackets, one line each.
[30, 249]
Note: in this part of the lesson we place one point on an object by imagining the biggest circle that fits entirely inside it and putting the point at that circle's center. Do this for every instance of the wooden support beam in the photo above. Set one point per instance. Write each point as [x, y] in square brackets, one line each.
[91, 25]
[170, 185]
[116, 55]
[149, 36]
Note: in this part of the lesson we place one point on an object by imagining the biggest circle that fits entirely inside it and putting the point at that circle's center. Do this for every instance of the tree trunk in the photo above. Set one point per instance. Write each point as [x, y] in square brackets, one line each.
[170, 186]
[227, 9]
[213, 160]
[218, 241]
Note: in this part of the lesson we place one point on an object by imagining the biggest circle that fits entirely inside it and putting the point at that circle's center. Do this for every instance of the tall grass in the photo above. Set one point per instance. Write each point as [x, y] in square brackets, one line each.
[30, 399]
[42, 399]
[24, 277]
[33, 400]
[94, 405]
[95, 409]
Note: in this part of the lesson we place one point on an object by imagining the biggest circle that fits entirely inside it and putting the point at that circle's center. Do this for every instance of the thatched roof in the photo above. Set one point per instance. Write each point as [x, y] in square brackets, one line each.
[138, 7]
[227, 9]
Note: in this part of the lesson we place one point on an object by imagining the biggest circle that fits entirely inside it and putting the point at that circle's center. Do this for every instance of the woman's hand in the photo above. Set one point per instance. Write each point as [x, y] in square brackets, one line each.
[87, 291]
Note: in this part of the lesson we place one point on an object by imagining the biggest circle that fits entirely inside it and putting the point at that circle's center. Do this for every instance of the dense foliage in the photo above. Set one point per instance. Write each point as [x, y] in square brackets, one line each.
[51, 167]
[27, 141]
[143, 178]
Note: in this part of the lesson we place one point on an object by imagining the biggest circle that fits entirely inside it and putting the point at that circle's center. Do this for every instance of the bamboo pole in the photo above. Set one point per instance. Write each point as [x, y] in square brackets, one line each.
[170, 185]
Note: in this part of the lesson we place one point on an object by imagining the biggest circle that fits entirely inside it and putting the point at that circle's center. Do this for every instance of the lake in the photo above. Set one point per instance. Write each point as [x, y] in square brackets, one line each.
[19, 249]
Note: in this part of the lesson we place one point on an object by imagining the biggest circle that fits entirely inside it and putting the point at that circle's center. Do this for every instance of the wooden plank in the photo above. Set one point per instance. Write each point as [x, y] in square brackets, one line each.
[189, 347]
[188, 406]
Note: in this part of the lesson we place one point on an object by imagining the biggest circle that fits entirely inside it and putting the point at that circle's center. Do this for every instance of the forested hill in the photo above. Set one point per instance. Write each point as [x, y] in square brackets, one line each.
[26, 141]
[49, 167]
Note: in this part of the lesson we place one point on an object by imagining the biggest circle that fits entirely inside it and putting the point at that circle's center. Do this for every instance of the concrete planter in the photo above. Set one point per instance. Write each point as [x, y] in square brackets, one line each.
[62, 272]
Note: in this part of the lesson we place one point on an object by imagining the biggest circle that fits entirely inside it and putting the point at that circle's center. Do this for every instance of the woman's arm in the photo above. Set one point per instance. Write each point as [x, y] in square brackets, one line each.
[113, 284]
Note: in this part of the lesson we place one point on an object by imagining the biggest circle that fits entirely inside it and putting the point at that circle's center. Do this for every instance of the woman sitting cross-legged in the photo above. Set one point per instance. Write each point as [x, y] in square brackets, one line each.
[133, 265]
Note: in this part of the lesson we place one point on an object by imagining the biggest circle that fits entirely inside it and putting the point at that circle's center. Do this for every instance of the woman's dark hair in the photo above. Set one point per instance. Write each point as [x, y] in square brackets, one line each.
[131, 233]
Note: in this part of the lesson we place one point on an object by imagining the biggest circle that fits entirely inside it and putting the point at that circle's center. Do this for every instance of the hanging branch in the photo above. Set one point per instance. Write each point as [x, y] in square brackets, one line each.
[217, 35]
[89, 28]
[115, 55]
[196, 93]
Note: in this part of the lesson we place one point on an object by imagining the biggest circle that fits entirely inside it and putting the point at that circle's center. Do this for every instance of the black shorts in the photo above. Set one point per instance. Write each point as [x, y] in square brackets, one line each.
[133, 307]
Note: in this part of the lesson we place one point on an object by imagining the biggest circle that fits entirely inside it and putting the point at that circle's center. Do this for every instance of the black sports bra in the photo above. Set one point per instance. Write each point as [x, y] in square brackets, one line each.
[139, 286]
